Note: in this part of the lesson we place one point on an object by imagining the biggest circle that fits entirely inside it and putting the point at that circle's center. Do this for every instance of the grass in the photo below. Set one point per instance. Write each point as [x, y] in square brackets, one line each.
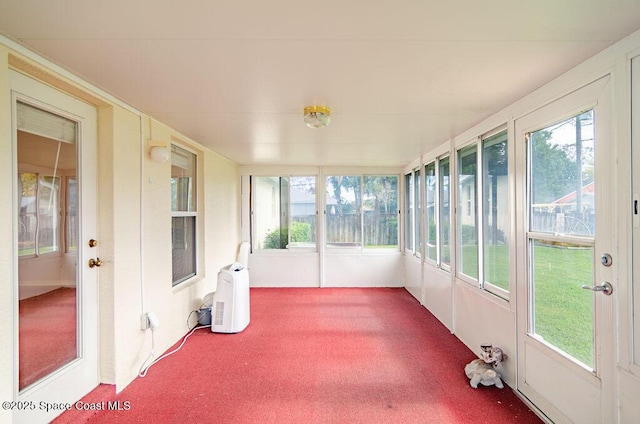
[563, 311]
[32, 250]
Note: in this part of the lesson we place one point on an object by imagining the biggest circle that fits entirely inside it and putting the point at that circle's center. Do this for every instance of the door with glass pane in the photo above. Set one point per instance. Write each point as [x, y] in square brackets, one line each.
[55, 288]
[565, 304]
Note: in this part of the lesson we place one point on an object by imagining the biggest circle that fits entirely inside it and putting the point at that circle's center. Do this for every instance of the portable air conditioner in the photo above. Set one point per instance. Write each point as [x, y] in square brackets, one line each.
[230, 303]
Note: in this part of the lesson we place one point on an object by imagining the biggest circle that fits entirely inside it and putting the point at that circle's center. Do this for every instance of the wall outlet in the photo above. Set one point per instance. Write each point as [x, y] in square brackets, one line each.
[149, 320]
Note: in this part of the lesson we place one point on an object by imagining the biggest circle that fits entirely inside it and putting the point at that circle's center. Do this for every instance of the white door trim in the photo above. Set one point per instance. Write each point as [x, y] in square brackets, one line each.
[74, 380]
[595, 404]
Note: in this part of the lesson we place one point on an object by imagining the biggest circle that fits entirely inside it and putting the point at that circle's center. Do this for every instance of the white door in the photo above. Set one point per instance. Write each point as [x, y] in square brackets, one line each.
[55, 318]
[566, 332]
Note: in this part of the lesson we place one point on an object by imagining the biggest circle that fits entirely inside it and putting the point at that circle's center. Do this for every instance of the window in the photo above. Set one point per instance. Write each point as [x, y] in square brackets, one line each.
[467, 222]
[380, 211]
[483, 213]
[47, 193]
[362, 211]
[409, 212]
[413, 211]
[418, 212]
[431, 239]
[71, 220]
[495, 215]
[183, 214]
[284, 212]
[39, 215]
[444, 193]
[437, 210]
[344, 206]
[561, 234]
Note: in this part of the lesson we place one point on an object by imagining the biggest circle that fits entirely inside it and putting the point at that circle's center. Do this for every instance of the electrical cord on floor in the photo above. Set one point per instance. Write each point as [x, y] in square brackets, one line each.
[144, 369]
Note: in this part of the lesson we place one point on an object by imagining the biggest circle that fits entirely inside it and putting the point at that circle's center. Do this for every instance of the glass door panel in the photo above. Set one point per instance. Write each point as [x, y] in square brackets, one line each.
[47, 244]
[55, 220]
[562, 310]
[561, 234]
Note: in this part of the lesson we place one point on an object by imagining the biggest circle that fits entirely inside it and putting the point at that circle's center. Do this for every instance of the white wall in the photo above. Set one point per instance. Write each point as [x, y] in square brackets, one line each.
[437, 293]
[142, 238]
[413, 275]
[377, 269]
[284, 269]
[134, 229]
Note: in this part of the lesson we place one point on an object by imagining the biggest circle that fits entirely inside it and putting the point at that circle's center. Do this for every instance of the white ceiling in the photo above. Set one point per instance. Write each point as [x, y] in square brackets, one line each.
[401, 77]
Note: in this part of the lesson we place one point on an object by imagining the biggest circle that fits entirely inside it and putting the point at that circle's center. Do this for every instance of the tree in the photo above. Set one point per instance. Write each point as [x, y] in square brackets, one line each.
[348, 183]
[554, 174]
[496, 165]
[384, 190]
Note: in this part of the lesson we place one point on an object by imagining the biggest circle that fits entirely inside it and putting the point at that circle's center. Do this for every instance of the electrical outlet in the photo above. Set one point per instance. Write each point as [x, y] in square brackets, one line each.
[149, 320]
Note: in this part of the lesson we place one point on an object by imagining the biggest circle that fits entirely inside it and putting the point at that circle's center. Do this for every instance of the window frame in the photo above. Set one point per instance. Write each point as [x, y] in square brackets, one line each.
[426, 215]
[417, 211]
[255, 208]
[61, 202]
[482, 164]
[362, 247]
[409, 214]
[479, 208]
[441, 205]
[462, 206]
[195, 199]
[396, 211]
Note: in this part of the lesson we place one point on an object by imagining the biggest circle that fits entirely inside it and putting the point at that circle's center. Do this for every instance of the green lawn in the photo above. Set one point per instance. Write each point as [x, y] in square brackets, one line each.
[32, 250]
[563, 313]
[496, 264]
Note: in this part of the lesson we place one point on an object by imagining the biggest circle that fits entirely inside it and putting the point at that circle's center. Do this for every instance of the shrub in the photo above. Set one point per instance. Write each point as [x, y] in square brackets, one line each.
[278, 239]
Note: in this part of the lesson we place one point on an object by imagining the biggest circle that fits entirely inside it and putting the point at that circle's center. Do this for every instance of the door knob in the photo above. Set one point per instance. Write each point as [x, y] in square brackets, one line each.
[95, 262]
[605, 288]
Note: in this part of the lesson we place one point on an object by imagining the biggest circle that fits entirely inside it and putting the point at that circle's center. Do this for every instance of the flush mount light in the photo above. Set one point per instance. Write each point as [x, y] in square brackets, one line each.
[317, 116]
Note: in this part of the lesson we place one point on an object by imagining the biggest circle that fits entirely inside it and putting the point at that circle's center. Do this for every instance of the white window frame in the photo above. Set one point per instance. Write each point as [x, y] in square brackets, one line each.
[362, 176]
[482, 283]
[254, 208]
[193, 213]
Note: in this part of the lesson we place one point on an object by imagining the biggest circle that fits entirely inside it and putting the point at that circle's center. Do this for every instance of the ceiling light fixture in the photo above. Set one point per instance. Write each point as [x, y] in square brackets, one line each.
[317, 116]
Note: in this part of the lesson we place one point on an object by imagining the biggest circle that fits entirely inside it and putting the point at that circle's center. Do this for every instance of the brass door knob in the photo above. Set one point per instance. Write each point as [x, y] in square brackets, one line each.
[95, 262]
[93, 243]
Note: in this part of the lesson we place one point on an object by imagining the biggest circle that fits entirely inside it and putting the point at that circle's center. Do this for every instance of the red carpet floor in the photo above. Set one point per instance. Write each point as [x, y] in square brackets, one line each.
[47, 337]
[315, 356]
